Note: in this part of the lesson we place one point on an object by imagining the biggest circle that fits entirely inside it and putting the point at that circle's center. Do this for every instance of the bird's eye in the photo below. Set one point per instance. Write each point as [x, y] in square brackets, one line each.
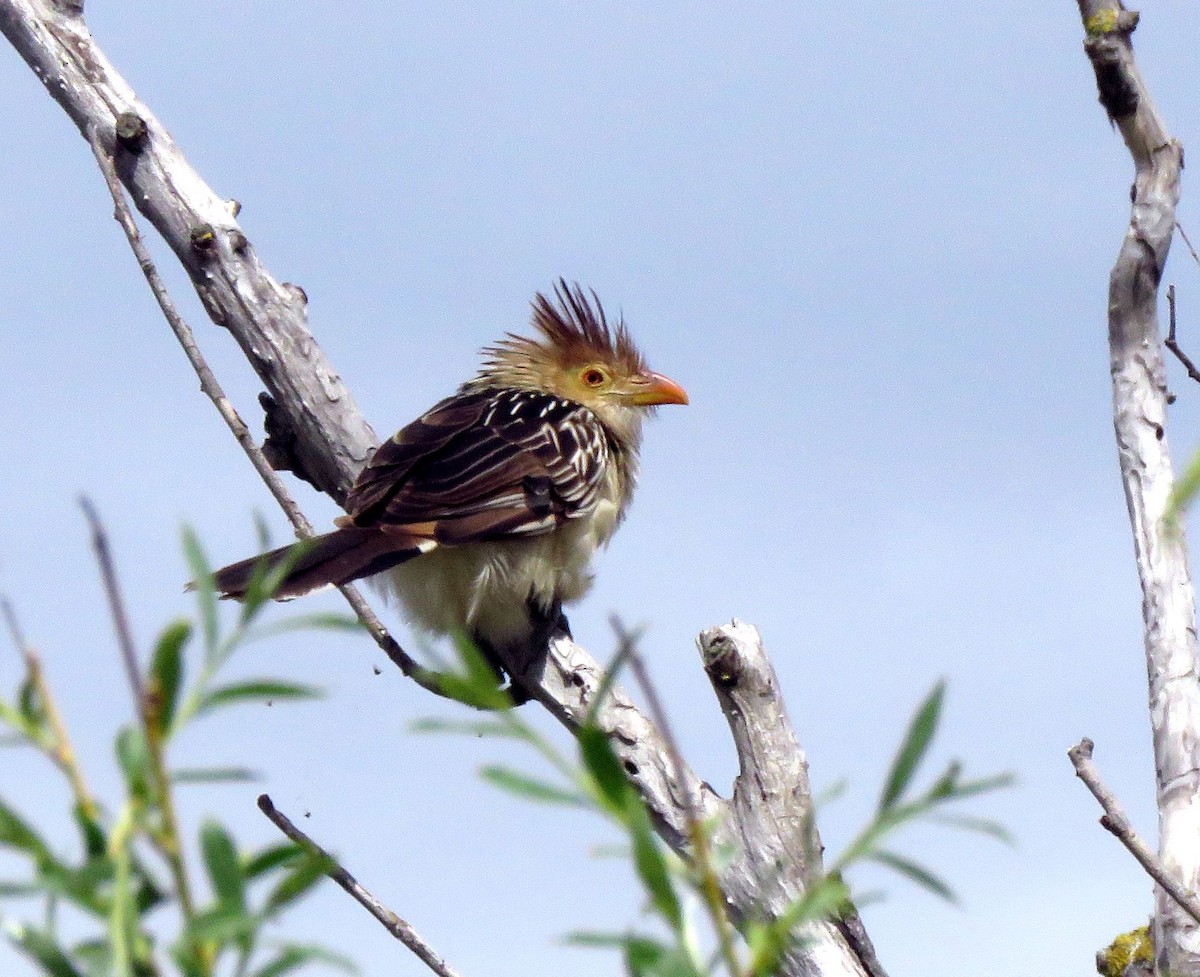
[593, 376]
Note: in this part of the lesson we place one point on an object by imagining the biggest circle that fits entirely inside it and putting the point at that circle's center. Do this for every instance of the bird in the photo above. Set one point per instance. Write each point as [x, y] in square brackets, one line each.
[482, 516]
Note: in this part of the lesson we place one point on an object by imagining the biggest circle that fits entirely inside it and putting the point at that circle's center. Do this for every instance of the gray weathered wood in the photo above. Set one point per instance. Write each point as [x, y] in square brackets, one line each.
[1139, 416]
[323, 438]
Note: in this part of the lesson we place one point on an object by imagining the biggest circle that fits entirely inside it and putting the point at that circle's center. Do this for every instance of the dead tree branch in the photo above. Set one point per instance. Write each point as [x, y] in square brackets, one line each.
[1139, 407]
[399, 928]
[1115, 821]
[323, 438]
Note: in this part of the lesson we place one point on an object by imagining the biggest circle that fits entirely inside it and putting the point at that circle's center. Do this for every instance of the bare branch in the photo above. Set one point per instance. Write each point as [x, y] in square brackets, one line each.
[701, 844]
[772, 819]
[212, 389]
[1116, 822]
[168, 839]
[1140, 404]
[266, 318]
[116, 604]
[398, 927]
[318, 432]
[61, 751]
[1173, 345]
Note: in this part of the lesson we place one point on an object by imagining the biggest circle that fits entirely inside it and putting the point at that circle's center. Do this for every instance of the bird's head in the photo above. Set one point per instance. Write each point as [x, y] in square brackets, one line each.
[578, 356]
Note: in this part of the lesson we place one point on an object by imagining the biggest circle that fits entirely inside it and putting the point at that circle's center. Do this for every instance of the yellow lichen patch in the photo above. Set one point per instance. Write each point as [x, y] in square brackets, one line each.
[1131, 947]
[1102, 23]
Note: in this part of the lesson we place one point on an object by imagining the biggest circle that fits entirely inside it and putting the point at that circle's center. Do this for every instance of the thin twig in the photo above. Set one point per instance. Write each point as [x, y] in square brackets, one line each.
[1170, 341]
[168, 838]
[398, 927]
[1186, 241]
[1115, 821]
[61, 750]
[701, 853]
[116, 603]
[425, 677]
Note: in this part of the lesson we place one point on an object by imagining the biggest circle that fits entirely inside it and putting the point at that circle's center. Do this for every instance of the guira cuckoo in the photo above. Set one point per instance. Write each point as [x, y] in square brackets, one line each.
[482, 515]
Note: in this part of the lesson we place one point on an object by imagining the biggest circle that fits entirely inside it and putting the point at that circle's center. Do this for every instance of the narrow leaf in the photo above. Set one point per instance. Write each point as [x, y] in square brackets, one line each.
[166, 672]
[306, 622]
[134, 759]
[42, 948]
[984, 785]
[914, 872]
[294, 955]
[532, 788]
[214, 775]
[984, 826]
[95, 841]
[260, 690]
[913, 748]
[606, 772]
[480, 728]
[272, 857]
[223, 924]
[15, 833]
[298, 882]
[224, 866]
[206, 593]
[652, 867]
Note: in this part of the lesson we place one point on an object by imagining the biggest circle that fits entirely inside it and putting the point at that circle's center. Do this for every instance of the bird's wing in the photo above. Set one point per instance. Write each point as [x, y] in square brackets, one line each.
[485, 465]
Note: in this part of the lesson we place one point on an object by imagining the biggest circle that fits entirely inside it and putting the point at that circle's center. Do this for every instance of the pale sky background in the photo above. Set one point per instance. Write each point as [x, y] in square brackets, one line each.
[873, 244]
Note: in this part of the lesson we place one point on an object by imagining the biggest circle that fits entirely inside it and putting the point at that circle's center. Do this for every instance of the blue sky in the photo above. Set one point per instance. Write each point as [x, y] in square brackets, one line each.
[874, 248]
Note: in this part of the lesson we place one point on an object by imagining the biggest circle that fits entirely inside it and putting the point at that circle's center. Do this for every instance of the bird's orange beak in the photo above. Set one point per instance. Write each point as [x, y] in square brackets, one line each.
[652, 389]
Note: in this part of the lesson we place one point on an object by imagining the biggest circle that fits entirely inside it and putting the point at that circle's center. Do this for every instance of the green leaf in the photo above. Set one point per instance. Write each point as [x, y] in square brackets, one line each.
[89, 887]
[265, 580]
[307, 622]
[270, 858]
[294, 955]
[825, 899]
[42, 948]
[224, 866]
[983, 826]
[95, 956]
[913, 748]
[1183, 493]
[591, 938]
[608, 680]
[653, 869]
[223, 925]
[477, 685]
[606, 772]
[214, 775]
[258, 690]
[122, 912]
[915, 873]
[618, 796]
[15, 833]
[29, 703]
[166, 672]
[984, 785]
[480, 728]
[298, 882]
[95, 841]
[645, 957]
[134, 759]
[206, 593]
[532, 788]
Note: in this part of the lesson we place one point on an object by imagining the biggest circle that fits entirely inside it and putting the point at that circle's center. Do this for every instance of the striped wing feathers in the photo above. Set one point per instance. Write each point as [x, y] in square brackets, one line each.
[482, 466]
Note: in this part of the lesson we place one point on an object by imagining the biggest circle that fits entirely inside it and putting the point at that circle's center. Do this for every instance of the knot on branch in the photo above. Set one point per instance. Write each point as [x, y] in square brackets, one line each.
[1111, 56]
[281, 448]
[131, 132]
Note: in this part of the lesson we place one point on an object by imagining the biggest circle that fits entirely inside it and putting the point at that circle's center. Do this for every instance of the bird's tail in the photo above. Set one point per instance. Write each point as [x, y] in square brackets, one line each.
[336, 558]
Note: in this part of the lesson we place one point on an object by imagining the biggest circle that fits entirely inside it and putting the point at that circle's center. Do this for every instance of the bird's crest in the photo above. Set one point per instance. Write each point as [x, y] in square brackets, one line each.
[574, 332]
